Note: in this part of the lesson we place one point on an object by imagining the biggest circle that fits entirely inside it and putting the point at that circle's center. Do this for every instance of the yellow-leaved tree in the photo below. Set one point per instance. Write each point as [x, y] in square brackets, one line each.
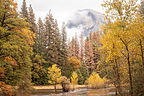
[74, 79]
[75, 62]
[54, 74]
[95, 81]
[119, 40]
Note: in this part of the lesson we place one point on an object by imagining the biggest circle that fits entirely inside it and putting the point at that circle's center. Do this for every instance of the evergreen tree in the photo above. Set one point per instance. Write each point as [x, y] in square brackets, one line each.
[80, 77]
[71, 51]
[76, 46]
[40, 37]
[64, 50]
[24, 11]
[52, 41]
[89, 56]
[81, 47]
[32, 20]
[39, 71]
[84, 72]
[15, 47]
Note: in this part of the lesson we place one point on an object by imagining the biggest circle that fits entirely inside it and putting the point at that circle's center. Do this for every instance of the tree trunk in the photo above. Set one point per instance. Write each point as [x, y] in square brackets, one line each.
[129, 66]
[130, 76]
[55, 87]
[118, 78]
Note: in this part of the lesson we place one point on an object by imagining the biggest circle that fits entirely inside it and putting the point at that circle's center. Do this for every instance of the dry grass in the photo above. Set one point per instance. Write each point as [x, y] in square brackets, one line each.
[58, 86]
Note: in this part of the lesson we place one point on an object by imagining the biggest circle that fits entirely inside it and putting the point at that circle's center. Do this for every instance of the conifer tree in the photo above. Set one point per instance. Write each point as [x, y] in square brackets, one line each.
[40, 37]
[81, 47]
[64, 50]
[15, 47]
[76, 46]
[80, 77]
[71, 51]
[32, 20]
[52, 41]
[24, 11]
[84, 72]
[89, 56]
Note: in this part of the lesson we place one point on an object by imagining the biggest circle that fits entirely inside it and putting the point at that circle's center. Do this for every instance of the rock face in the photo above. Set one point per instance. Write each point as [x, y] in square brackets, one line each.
[85, 21]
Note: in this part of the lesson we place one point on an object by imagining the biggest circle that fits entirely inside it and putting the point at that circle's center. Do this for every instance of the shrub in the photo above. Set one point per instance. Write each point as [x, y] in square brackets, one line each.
[95, 81]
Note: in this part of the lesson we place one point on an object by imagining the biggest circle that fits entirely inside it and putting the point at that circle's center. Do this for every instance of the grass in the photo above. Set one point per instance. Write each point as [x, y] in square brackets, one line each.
[58, 86]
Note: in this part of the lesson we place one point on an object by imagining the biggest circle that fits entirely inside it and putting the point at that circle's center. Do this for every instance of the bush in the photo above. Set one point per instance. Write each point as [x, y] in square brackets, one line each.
[95, 81]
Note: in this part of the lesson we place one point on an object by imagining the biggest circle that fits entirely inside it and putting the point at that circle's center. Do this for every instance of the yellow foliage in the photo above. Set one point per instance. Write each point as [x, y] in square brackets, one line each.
[27, 35]
[74, 78]
[54, 74]
[95, 81]
[75, 62]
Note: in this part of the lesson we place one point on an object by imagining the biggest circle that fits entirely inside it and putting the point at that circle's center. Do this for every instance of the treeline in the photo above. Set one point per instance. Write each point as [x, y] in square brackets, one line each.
[28, 49]
[38, 53]
[122, 59]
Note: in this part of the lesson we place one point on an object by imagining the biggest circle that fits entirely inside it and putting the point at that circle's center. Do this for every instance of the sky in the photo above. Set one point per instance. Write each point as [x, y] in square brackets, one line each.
[62, 10]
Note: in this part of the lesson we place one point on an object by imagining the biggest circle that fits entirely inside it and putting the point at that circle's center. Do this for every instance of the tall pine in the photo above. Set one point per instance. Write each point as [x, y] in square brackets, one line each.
[16, 42]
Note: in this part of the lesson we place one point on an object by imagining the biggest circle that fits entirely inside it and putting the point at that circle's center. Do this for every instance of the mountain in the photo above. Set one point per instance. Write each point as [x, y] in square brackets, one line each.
[84, 21]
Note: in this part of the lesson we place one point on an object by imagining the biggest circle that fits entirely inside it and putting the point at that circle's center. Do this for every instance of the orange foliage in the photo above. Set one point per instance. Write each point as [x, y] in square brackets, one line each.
[10, 60]
[29, 36]
[6, 89]
[2, 73]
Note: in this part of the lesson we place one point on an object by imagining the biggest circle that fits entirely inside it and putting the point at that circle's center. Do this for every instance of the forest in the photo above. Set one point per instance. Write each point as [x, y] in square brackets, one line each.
[38, 52]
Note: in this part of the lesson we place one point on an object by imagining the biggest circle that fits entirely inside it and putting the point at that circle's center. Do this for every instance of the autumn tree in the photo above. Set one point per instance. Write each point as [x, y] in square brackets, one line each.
[54, 73]
[74, 79]
[74, 62]
[89, 56]
[71, 48]
[76, 47]
[81, 47]
[15, 47]
[95, 81]
[119, 15]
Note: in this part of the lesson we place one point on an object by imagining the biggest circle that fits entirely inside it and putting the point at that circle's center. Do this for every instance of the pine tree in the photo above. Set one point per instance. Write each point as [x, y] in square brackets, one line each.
[84, 72]
[32, 20]
[76, 46]
[81, 47]
[89, 56]
[39, 72]
[71, 49]
[64, 50]
[15, 47]
[52, 41]
[96, 45]
[40, 37]
[80, 77]
[24, 11]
